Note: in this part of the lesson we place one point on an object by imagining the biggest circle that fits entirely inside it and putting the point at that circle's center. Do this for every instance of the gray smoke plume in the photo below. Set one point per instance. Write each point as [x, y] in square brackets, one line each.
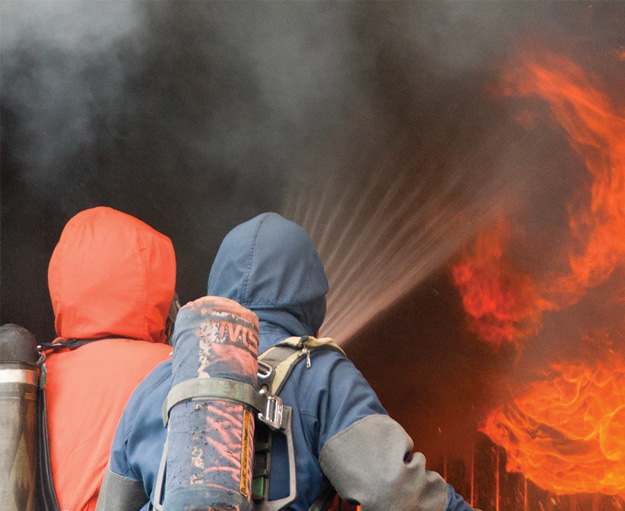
[189, 115]
[51, 52]
[195, 116]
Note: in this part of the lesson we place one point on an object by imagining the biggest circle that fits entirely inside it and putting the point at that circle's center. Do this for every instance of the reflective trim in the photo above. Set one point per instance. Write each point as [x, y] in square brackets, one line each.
[19, 376]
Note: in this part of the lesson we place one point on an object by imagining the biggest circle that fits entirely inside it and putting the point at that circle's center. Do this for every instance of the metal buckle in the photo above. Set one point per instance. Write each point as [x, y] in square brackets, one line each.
[265, 372]
[274, 410]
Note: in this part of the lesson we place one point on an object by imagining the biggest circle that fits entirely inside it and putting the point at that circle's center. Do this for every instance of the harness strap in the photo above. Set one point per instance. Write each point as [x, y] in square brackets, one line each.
[285, 355]
[210, 388]
[270, 407]
[277, 363]
[46, 497]
[73, 343]
[325, 498]
[157, 502]
[45, 492]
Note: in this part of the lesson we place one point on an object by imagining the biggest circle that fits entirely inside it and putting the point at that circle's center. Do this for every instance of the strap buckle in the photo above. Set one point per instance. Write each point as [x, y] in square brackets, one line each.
[274, 410]
[265, 372]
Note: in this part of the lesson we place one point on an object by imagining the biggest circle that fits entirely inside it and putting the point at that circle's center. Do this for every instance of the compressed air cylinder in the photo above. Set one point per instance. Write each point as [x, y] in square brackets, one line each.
[19, 378]
[209, 460]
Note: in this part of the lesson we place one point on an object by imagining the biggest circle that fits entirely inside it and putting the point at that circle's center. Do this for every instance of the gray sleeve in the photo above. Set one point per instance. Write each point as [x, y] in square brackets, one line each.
[366, 463]
[119, 493]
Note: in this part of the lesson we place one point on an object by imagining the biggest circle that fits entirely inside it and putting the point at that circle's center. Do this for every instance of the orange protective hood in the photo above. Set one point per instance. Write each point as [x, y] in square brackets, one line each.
[111, 275]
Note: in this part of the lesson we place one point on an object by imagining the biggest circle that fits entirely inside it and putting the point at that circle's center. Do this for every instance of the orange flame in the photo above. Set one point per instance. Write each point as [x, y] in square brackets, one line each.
[502, 304]
[567, 431]
[597, 134]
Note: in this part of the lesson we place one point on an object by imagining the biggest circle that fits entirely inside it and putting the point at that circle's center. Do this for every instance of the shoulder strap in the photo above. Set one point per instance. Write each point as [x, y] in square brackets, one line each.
[275, 365]
[279, 360]
[45, 493]
[72, 344]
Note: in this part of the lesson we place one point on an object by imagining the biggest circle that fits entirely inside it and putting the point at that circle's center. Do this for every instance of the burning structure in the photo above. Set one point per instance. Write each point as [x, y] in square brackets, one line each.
[555, 439]
[563, 427]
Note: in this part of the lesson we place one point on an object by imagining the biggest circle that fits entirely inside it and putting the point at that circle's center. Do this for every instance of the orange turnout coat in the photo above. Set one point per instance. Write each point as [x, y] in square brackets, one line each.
[111, 276]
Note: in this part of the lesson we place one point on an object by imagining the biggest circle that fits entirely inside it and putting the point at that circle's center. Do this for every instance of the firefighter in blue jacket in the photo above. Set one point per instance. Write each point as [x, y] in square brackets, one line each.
[340, 429]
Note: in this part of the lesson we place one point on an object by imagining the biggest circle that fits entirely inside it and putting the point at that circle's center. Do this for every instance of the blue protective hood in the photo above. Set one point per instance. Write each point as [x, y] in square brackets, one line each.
[270, 265]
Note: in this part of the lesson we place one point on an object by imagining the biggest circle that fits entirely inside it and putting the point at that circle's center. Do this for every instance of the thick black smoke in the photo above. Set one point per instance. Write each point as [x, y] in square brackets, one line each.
[197, 115]
[187, 115]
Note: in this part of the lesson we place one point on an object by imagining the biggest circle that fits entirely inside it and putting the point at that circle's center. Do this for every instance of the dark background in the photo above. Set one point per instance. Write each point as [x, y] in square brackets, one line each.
[377, 125]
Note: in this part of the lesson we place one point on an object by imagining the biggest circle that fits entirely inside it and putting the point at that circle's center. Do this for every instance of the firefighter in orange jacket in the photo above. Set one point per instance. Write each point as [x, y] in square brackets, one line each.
[111, 280]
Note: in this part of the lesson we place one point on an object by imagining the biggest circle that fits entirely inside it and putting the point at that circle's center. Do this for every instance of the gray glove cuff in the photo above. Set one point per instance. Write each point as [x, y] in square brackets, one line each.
[366, 463]
[119, 493]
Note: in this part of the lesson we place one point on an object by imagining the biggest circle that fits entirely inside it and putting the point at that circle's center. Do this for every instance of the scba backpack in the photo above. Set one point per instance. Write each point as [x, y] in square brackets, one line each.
[223, 412]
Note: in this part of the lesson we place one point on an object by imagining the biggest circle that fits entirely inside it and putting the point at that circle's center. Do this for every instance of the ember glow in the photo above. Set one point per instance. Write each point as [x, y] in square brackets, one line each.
[565, 431]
